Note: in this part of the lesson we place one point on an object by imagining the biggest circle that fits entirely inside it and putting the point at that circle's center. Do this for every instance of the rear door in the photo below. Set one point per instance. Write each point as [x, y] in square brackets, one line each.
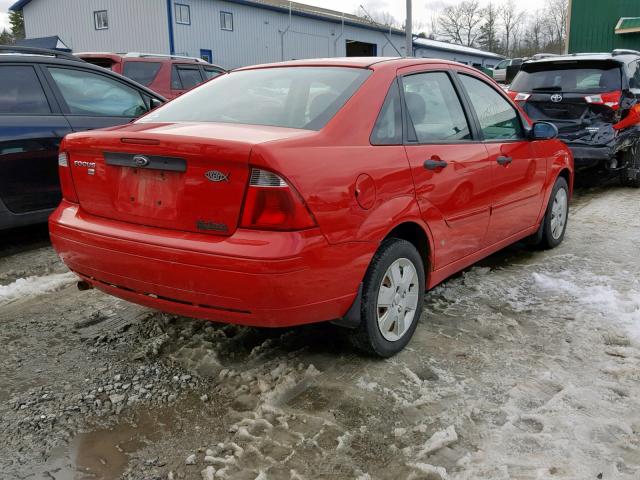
[450, 168]
[92, 99]
[31, 128]
[518, 175]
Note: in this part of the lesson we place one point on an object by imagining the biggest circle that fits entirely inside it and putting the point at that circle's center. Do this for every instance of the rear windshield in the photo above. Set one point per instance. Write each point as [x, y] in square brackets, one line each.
[576, 78]
[141, 72]
[294, 97]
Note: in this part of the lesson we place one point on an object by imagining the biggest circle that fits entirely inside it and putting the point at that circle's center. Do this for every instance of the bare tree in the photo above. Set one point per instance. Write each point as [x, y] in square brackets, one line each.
[511, 17]
[488, 38]
[556, 12]
[461, 23]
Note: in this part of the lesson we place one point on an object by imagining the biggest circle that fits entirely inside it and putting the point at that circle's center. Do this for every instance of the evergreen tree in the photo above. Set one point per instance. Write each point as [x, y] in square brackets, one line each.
[17, 24]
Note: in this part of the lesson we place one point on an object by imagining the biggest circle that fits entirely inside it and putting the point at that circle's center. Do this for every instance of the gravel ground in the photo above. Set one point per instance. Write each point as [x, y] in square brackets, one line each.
[526, 366]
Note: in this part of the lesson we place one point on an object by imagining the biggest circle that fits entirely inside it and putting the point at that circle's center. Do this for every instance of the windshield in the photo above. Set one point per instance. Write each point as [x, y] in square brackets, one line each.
[568, 79]
[294, 97]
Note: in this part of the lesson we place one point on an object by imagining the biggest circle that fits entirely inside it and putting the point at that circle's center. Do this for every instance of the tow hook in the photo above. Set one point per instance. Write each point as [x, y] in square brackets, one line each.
[84, 285]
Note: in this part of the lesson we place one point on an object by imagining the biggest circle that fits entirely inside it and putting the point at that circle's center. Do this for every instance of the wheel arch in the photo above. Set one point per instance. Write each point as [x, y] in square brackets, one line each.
[419, 237]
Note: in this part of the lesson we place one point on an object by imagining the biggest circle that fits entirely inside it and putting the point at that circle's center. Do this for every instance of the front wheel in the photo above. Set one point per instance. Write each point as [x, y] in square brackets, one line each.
[392, 299]
[554, 223]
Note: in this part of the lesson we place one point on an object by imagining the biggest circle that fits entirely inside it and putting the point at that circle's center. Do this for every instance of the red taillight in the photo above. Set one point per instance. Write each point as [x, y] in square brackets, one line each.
[272, 204]
[611, 99]
[518, 96]
[66, 182]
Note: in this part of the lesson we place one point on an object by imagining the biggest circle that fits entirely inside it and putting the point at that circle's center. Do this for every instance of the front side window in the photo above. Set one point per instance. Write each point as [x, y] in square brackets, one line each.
[88, 93]
[294, 97]
[502, 65]
[185, 78]
[21, 92]
[498, 119]
[101, 20]
[226, 21]
[434, 108]
[388, 127]
[183, 14]
[141, 72]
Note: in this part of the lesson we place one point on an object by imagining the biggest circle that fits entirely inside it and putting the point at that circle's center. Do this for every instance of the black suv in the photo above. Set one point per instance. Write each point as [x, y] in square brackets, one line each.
[591, 98]
[44, 95]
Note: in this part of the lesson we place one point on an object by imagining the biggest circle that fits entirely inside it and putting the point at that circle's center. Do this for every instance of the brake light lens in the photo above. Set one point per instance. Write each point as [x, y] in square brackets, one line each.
[611, 99]
[522, 97]
[272, 204]
[66, 181]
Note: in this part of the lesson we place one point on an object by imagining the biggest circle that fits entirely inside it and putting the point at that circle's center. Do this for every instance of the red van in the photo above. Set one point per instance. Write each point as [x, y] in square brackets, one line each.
[168, 75]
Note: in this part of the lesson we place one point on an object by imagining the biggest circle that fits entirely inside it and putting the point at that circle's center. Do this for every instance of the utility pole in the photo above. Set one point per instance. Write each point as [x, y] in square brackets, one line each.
[407, 28]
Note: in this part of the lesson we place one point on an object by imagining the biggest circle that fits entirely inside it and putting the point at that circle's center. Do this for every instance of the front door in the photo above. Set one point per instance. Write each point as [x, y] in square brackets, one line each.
[518, 175]
[451, 171]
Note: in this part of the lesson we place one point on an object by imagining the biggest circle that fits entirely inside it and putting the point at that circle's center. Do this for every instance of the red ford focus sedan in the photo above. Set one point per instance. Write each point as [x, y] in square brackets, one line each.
[305, 191]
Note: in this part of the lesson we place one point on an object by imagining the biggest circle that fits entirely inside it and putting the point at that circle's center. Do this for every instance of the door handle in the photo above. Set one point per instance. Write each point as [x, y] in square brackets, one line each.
[504, 160]
[434, 164]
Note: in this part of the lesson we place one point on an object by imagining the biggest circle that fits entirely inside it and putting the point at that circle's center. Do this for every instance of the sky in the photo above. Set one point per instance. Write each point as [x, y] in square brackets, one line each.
[423, 10]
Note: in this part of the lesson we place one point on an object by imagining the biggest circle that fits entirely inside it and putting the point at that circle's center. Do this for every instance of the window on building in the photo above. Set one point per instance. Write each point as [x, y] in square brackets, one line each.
[101, 20]
[21, 92]
[183, 14]
[226, 21]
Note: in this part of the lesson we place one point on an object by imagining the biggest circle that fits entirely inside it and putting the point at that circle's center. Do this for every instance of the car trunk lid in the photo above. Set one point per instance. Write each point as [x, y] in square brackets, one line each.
[189, 177]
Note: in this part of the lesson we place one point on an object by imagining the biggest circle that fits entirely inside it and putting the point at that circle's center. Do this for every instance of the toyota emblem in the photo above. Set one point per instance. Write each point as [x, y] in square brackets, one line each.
[556, 98]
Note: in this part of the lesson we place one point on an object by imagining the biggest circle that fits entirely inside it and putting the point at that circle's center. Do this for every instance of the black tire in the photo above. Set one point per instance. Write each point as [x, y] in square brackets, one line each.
[368, 337]
[630, 176]
[546, 238]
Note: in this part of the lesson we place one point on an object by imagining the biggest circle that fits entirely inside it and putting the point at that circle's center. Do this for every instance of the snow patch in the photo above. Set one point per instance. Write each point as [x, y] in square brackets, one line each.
[32, 286]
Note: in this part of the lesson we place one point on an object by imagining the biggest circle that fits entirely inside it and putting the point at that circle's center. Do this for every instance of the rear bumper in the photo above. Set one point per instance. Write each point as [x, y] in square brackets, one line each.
[589, 156]
[254, 278]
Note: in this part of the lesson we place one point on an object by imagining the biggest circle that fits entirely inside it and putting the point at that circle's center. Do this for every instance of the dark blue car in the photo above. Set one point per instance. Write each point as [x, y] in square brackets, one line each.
[45, 95]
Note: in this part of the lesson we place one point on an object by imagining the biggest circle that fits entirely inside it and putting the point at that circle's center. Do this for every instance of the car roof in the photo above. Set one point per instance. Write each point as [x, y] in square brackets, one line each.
[355, 62]
[70, 61]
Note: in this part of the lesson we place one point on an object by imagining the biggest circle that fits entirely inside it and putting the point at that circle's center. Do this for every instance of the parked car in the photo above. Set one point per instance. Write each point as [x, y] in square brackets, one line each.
[169, 75]
[592, 100]
[507, 69]
[303, 191]
[44, 95]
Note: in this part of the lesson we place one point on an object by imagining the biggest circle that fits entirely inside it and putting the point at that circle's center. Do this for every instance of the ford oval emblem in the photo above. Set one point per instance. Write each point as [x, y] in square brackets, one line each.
[556, 98]
[217, 176]
[141, 160]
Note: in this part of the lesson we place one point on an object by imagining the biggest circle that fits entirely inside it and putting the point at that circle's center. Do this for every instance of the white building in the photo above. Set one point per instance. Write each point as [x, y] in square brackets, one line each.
[231, 33]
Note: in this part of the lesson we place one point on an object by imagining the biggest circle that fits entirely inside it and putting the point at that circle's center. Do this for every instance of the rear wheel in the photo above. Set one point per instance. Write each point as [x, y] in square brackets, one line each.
[630, 176]
[392, 299]
[554, 223]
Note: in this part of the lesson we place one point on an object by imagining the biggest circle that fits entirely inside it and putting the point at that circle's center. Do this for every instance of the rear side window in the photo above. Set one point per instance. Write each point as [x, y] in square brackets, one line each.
[498, 119]
[434, 108]
[185, 78]
[141, 72]
[88, 93]
[21, 92]
[210, 73]
[388, 127]
[294, 97]
[568, 78]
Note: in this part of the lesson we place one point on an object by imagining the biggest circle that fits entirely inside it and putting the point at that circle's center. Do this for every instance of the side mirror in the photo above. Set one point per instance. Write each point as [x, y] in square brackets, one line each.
[155, 103]
[544, 131]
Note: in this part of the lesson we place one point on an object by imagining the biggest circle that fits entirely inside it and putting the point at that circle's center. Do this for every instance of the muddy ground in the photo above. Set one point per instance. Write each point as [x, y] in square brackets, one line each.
[526, 366]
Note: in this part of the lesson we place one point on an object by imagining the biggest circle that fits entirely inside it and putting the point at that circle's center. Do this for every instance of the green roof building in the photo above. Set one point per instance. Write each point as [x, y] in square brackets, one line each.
[602, 25]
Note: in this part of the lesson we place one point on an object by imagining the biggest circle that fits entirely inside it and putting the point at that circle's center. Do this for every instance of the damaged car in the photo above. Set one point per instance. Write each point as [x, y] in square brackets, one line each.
[592, 99]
